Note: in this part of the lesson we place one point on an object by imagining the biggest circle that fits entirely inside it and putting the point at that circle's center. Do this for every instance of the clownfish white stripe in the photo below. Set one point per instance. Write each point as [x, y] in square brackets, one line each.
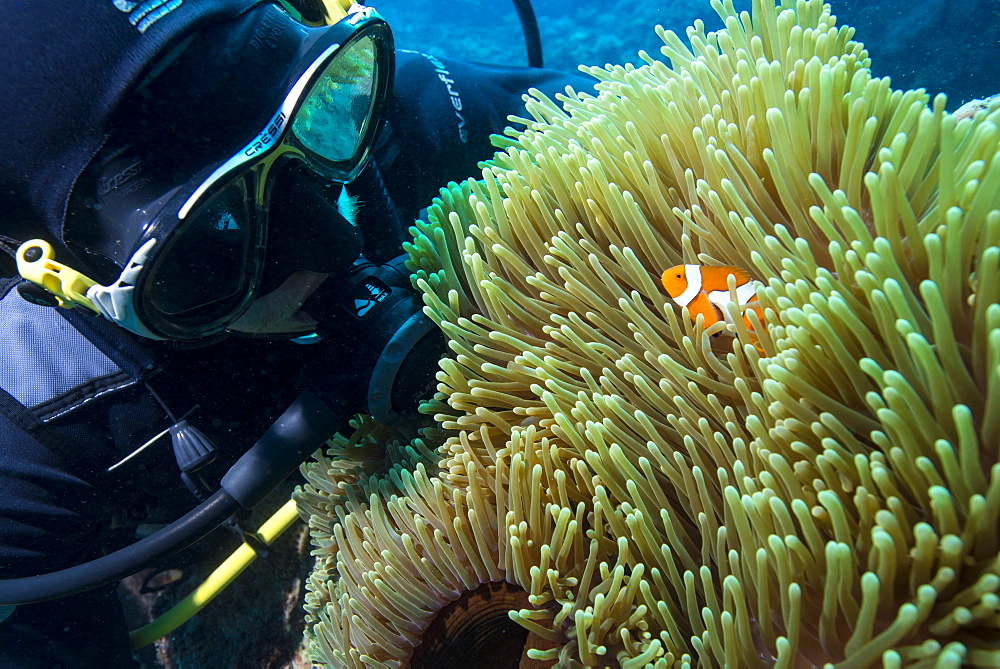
[692, 275]
[744, 294]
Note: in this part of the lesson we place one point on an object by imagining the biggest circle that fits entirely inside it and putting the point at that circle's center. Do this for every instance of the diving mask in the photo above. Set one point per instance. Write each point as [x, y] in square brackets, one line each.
[183, 222]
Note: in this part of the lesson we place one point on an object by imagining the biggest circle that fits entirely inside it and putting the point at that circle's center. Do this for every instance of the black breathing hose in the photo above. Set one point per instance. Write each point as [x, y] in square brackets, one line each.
[529, 25]
[380, 227]
[299, 431]
[117, 565]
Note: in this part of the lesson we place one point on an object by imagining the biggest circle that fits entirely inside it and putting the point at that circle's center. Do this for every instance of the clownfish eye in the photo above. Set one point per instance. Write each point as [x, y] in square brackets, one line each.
[677, 276]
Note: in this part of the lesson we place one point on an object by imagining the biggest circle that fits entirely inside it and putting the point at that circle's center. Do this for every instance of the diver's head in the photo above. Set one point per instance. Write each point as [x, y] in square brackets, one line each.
[216, 203]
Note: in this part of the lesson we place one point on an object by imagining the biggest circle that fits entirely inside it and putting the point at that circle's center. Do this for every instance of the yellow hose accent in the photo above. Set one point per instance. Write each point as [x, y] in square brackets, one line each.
[336, 10]
[216, 582]
[319, 12]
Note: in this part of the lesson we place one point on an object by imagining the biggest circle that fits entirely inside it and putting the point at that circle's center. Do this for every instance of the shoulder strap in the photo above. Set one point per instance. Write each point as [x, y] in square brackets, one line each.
[54, 361]
[112, 341]
[26, 421]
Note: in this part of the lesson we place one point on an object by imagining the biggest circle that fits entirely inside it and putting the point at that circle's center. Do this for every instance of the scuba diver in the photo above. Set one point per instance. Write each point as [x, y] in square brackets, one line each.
[203, 206]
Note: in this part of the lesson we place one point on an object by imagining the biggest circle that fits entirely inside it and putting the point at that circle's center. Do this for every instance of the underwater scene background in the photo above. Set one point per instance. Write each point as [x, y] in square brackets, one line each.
[941, 46]
[950, 47]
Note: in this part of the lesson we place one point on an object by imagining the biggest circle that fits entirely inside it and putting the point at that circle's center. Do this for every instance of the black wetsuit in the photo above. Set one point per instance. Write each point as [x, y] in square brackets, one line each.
[91, 404]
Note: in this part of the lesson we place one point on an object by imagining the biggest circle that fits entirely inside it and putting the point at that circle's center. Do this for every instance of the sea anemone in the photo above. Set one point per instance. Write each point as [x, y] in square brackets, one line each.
[822, 488]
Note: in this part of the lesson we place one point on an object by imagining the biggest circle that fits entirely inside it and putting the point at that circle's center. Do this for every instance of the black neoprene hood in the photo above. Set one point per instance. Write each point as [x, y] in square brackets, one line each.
[65, 70]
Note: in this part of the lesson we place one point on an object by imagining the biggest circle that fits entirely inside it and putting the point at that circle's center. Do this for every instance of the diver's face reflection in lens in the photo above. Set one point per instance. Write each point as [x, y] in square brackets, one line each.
[332, 121]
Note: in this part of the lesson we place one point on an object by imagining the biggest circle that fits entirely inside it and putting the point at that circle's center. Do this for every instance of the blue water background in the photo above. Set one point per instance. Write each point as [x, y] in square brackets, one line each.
[940, 45]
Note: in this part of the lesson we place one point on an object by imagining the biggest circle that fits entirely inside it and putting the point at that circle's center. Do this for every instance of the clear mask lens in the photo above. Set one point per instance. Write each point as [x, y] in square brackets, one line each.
[332, 120]
[216, 248]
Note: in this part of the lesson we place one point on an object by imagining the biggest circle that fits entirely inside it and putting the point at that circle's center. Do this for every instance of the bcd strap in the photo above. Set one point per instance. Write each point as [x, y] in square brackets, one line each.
[26, 421]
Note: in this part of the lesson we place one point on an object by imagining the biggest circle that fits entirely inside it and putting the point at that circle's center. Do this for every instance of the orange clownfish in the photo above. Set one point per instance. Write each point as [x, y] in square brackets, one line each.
[704, 290]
